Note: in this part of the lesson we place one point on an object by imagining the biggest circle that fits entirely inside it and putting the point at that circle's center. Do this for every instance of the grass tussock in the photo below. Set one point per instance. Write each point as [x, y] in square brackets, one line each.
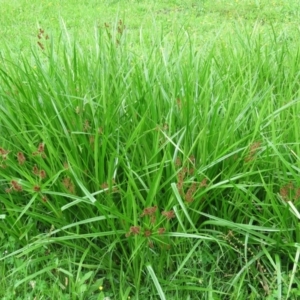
[166, 173]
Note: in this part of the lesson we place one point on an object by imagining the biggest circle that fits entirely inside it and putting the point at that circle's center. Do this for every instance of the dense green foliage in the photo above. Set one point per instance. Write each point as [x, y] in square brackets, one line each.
[149, 165]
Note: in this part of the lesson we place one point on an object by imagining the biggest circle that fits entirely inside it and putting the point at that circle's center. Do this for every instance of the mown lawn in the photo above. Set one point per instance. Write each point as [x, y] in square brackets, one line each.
[149, 150]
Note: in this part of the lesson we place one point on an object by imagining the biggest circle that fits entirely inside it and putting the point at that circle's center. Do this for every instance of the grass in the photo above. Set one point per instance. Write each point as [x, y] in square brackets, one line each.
[144, 162]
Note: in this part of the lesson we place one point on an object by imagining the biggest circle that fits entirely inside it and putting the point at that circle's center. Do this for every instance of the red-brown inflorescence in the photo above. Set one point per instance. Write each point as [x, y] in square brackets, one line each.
[181, 177]
[16, 186]
[35, 170]
[182, 173]
[41, 36]
[289, 192]
[189, 195]
[3, 152]
[120, 31]
[120, 28]
[297, 194]
[203, 183]
[178, 162]
[133, 230]
[149, 211]
[252, 151]
[152, 219]
[192, 161]
[104, 185]
[69, 185]
[254, 147]
[41, 32]
[147, 233]
[168, 214]
[21, 158]
[40, 150]
[161, 230]
[36, 188]
[41, 45]
[284, 193]
[180, 187]
[42, 174]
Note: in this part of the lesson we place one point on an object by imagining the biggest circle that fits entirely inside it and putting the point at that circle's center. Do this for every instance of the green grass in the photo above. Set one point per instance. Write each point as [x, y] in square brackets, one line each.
[141, 160]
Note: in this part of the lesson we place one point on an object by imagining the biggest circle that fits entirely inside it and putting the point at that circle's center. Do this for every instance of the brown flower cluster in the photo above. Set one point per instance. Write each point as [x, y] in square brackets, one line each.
[16, 186]
[21, 158]
[183, 174]
[44, 199]
[181, 178]
[36, 188]
[189, 196]
[169, 214]
[120, 31]
[150, 212]
[254, 147]
[69, 185]
[105, 186]
[3, 155]
[136, 230]
[133, 230]
[40, 151]
[41, 173]
[41, 35]
[289, 192]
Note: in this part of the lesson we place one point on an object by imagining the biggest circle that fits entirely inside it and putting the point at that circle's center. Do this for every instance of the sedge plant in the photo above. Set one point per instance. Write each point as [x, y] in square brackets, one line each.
[166, 173]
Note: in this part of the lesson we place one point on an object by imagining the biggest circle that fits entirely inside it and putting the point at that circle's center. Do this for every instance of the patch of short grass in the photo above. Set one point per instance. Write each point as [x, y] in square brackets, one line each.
[21, 20]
